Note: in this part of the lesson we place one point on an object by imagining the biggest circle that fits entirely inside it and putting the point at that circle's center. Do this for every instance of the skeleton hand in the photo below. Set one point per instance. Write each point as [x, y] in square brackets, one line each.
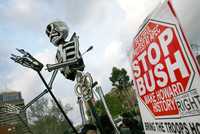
[27, 60]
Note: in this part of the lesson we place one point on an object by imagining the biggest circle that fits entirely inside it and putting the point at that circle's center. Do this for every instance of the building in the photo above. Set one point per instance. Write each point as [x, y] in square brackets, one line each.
[13, 119]
[13, 97]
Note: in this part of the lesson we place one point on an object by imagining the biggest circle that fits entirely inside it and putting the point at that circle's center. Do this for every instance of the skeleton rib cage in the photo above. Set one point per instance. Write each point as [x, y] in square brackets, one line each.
[68, 52]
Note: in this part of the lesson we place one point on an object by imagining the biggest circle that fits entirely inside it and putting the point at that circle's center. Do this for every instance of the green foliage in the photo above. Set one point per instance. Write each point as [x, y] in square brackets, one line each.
[46, 118]
[114, 105]
[119, 78]
[117, 98]
[99, 108]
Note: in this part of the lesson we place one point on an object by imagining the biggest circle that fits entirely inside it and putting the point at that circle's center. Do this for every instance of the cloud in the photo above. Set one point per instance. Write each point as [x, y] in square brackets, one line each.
[36, 14]
[188, 13]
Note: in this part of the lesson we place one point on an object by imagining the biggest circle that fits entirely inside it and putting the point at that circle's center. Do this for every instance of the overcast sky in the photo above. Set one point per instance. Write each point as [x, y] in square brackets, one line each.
[108, 25]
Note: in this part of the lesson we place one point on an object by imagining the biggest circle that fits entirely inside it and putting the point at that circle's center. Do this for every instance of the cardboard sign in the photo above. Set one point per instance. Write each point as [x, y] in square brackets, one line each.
[166, 75]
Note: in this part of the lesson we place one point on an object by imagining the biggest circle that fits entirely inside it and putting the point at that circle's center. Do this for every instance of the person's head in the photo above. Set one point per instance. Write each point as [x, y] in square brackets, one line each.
[127, 122]
[89, 129]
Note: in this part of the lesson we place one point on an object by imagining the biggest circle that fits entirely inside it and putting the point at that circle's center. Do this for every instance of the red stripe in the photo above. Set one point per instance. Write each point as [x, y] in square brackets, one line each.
[171, 7]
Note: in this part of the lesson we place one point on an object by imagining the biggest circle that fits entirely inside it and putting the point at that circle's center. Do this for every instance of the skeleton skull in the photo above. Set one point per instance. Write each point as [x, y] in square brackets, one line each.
[57, 31]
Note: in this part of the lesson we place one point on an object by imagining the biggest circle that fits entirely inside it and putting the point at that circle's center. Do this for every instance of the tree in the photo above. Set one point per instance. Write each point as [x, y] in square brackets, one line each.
[120, 80]
[46, 118]
[114, 105]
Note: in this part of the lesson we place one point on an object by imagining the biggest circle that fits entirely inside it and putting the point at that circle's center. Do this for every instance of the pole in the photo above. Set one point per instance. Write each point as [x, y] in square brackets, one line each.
[94, 113]
[100, 92]
[34, 100]
[44, 92]
[57, 103]
[80, 102]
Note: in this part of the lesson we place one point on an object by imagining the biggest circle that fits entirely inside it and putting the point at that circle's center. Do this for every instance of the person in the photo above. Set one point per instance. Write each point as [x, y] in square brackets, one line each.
[124, 127]
[106, 125]
[89, 129]
[132, 126]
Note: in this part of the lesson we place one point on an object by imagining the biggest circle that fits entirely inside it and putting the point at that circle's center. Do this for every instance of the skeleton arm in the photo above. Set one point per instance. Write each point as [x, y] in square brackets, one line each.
[27, 60]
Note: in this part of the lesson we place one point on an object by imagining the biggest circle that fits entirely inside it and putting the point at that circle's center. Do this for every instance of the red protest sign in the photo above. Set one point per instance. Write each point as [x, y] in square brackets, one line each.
[161, 67]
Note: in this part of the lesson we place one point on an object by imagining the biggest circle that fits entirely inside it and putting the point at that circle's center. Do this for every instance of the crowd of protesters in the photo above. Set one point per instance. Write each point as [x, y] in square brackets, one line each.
[128, 125]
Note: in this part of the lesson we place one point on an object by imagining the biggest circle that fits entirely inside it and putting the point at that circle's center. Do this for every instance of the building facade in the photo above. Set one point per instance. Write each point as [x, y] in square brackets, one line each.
[13, 119]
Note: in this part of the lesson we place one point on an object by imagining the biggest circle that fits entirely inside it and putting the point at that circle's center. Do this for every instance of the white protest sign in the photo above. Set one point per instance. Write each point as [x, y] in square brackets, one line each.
[166, 75]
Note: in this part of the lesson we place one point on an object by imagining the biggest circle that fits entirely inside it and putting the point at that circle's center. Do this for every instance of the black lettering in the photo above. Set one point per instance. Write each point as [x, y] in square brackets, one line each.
[193, 128]
[186, 128]
[177, 127]
[198, 127]
[180, 107]
[160, 127]
[198, 98]
[150, 126]
[187, 104]
[166, 125]
[193, 103]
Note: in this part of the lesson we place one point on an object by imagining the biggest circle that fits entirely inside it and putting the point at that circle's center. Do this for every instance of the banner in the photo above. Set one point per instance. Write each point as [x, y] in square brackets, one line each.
[166, 75]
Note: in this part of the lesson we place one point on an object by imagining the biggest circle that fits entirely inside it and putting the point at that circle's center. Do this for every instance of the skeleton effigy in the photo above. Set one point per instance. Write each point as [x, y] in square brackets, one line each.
[68, 58]
[70, 63]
